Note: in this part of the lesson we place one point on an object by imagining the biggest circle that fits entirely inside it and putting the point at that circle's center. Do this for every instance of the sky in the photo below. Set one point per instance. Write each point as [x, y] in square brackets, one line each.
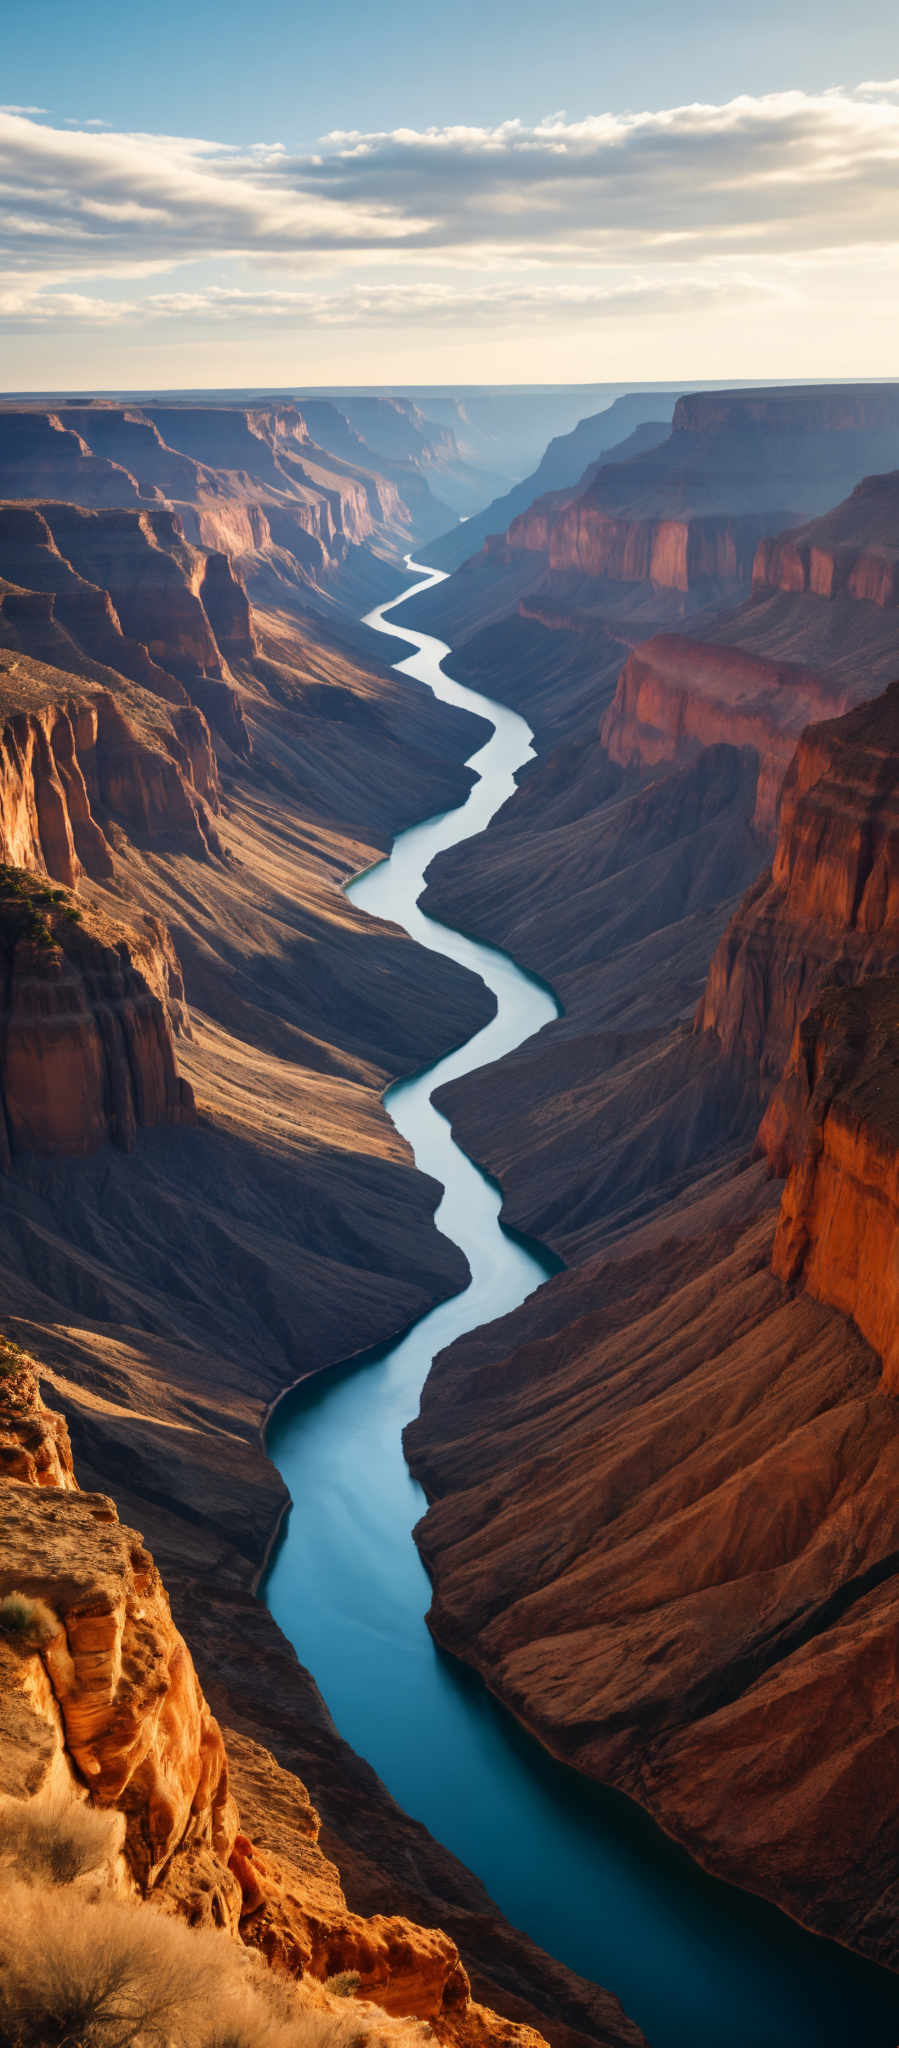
[297, 195]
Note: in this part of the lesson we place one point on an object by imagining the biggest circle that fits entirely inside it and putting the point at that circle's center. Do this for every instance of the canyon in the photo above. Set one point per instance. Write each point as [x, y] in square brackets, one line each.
[659, 1518]
[200, 745]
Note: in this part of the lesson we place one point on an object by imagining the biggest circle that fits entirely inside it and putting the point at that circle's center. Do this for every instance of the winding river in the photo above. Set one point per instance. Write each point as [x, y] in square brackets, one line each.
[695, 1963]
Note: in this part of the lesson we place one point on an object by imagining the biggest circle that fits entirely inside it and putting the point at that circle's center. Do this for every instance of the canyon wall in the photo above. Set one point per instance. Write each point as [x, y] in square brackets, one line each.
[638, 420]
[677, 693]
[827, 908]
[690, 513]
[104, 1703]
[833, 1128]
[581, 537]
[101, 1700]
[87, 1050]
[247, 482]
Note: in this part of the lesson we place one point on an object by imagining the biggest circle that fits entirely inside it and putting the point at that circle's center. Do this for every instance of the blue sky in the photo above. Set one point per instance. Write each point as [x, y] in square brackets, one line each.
[288, 194]
[289, 72]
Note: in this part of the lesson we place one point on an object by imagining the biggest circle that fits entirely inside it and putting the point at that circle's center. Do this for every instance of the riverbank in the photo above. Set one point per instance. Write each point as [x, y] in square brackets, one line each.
[580, 1871]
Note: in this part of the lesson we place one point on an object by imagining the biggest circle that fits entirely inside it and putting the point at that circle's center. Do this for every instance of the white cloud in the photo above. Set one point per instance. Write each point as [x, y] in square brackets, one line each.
[643, 213]
[393, 304]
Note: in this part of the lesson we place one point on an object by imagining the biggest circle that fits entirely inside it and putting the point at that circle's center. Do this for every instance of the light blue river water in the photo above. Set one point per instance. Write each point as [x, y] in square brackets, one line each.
[696, 1963]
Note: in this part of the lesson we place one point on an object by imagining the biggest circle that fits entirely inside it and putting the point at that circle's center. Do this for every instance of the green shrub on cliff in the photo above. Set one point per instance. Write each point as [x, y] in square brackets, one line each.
[12, 1359]
[27, 905]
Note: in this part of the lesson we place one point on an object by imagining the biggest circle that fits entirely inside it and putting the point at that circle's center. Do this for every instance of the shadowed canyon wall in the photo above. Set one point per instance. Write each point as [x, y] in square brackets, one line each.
[662, 1498]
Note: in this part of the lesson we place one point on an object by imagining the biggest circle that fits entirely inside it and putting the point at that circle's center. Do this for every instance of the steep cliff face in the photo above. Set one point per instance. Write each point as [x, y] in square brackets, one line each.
[73, 768]
[828, 909]
[852, 550]
[98, 1690]
[712, 553]
[86, 1039]
[41, 457]
[121, 590]
[641, 420]
[690, 513]
[852, 412]
[833, 1127]
[249, 482]
[675, 694]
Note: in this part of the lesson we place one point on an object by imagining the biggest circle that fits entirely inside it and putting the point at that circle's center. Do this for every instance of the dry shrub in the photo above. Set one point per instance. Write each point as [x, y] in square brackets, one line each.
[77, 1973]
[30, 1623]
[344, 1983]
[56, 1841]
[101, 1975]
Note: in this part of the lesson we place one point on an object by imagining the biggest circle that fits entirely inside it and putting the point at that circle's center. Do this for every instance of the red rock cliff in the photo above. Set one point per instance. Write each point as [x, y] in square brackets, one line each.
[109, 1699]
[828, 909]
[676, 694]
[86, 1042]
[853, 550]
[833, 1127]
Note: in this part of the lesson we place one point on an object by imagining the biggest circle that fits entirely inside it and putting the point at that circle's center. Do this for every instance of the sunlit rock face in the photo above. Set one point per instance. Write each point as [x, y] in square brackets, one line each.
[87, 1030]
[828, 909]
[103, 1702]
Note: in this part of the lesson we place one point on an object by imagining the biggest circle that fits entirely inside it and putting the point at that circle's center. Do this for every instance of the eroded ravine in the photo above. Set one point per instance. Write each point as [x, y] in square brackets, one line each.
[698, 1965]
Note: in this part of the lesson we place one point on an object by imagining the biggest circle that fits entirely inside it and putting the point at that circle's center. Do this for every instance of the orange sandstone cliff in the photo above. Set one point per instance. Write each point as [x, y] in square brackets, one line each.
[105, 1704]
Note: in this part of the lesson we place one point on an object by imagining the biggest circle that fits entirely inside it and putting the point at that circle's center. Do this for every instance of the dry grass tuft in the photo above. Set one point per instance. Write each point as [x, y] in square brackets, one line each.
[101, 1973]
[58, 1841]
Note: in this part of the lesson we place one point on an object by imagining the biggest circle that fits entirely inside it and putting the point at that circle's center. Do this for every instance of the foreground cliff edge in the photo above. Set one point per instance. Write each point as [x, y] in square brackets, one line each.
[102, 1709]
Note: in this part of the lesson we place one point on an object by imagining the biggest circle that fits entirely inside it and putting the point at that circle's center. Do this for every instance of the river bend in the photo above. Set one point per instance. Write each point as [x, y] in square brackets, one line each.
[695, 1963]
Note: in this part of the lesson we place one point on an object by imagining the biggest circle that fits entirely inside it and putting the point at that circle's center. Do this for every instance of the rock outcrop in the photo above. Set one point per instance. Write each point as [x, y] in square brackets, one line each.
[833, 1128]
[639, 420]
[676, 695]
[828, 909]
[853, 550]
[99, 1693]
[86, 1043]
[75, 767]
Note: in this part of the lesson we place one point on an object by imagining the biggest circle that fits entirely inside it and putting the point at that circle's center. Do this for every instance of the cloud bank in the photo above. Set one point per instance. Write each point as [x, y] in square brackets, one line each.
[614, 216]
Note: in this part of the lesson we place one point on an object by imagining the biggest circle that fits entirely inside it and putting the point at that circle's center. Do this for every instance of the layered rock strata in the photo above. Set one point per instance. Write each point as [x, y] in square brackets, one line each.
[833, 1127]
[828, 908]
[99, 1691]
[677, 694]
[87, 1050]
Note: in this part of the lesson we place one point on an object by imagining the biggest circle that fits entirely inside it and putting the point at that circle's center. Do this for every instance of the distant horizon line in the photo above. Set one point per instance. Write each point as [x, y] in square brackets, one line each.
[71, 394]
